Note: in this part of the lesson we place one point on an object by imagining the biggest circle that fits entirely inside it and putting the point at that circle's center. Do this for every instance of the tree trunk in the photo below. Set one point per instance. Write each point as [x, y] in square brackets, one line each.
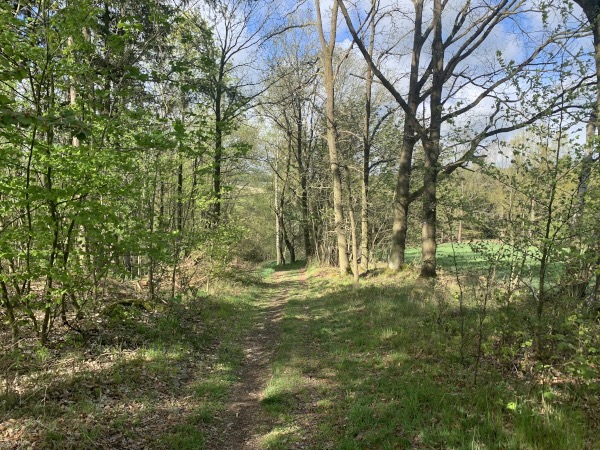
[308, 248]
[280, 249]
[10, 311]
[327, 49]
[591, 8]
[218, 156]
[278, 246]
[409, 139]
[355, 271]
[179, 224]
[288, 243]
[402, 201]
[431, 149]
[151, 219]
[428, 232]
[303, 181]
[180, 199]
[364, 191]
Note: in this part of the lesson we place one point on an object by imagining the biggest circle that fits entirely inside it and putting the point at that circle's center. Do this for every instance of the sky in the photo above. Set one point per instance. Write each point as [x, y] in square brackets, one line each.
[508, 39]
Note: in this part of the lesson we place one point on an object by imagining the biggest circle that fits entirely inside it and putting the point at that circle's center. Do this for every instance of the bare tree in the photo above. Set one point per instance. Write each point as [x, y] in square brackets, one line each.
[289, 104]
[238, 29]
[433, 87]
[367, 139]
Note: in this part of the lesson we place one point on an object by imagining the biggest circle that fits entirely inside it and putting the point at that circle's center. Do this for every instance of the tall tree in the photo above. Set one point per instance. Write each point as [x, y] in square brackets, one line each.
[290, 104]
[239, 29]
[367, 140]
[83, 191]
[584, 265]
[327, 57]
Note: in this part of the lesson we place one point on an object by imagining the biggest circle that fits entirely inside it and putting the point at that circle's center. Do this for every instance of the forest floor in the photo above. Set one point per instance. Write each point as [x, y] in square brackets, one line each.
[296, 358]
[244, 420]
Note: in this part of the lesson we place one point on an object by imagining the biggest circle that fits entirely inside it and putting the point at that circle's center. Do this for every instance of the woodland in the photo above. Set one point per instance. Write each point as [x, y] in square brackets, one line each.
[300, 224]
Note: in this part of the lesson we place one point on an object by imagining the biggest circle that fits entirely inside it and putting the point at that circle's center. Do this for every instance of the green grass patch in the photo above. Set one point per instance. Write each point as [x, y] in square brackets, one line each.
[477, 257]
[289, 266]
[184, 437]
[379, 366]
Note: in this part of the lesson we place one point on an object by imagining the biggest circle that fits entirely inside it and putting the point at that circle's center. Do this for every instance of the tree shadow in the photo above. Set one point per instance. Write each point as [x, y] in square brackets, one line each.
[156, 381]
[381, 367]
[290, 266]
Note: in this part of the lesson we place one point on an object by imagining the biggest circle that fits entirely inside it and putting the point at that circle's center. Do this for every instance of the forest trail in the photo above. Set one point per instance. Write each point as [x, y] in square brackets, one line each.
[244, 421]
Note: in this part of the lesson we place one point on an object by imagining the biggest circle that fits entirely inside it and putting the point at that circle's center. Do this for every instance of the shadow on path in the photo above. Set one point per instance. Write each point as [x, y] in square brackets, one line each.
[244, 421]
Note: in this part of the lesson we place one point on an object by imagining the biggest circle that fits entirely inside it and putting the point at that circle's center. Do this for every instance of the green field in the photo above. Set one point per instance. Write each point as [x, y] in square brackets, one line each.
[477, 258]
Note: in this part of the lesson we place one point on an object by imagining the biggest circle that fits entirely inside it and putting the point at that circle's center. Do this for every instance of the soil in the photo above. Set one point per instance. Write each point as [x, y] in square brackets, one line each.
[244, 421]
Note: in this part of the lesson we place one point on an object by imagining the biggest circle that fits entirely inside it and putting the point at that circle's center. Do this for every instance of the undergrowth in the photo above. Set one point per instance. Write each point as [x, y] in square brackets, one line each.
[142, 379]
[394, 363]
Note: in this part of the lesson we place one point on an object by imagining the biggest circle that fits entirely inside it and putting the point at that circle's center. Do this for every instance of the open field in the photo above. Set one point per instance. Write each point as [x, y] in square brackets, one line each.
[479, 256]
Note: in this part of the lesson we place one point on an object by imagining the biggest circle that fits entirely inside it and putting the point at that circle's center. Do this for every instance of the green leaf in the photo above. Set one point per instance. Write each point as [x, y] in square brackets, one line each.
[15, 75]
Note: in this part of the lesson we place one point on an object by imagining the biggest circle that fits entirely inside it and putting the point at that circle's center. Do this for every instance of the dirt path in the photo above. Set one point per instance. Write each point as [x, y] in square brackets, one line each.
[245, 422]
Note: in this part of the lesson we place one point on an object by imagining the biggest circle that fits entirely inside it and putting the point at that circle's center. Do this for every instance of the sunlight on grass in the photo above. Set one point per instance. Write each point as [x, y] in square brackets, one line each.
[388, 333]
[393, 377]
[161, 353]
[157, 380]
[268, 269]
[215, 386]
[279, 437]
[394, 358]
[184, 437]
[378, 366]
[280, 391]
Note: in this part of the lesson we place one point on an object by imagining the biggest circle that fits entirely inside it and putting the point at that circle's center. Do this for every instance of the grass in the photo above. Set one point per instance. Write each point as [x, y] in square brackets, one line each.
[470, 256]
[148, 379]
[390, 364]
[380, 367]
[476, 258]
[465, 256]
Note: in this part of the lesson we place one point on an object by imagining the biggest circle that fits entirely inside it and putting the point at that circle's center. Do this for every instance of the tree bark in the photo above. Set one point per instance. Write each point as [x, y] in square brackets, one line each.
[355, 270]
[428, 230]
[432, 149]
[409, 139]
[288, 243]
[327, 49]
[217, 160]
[308, 251]
[278, 246]
[218, 156]
[591, 8]
[364, 192]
